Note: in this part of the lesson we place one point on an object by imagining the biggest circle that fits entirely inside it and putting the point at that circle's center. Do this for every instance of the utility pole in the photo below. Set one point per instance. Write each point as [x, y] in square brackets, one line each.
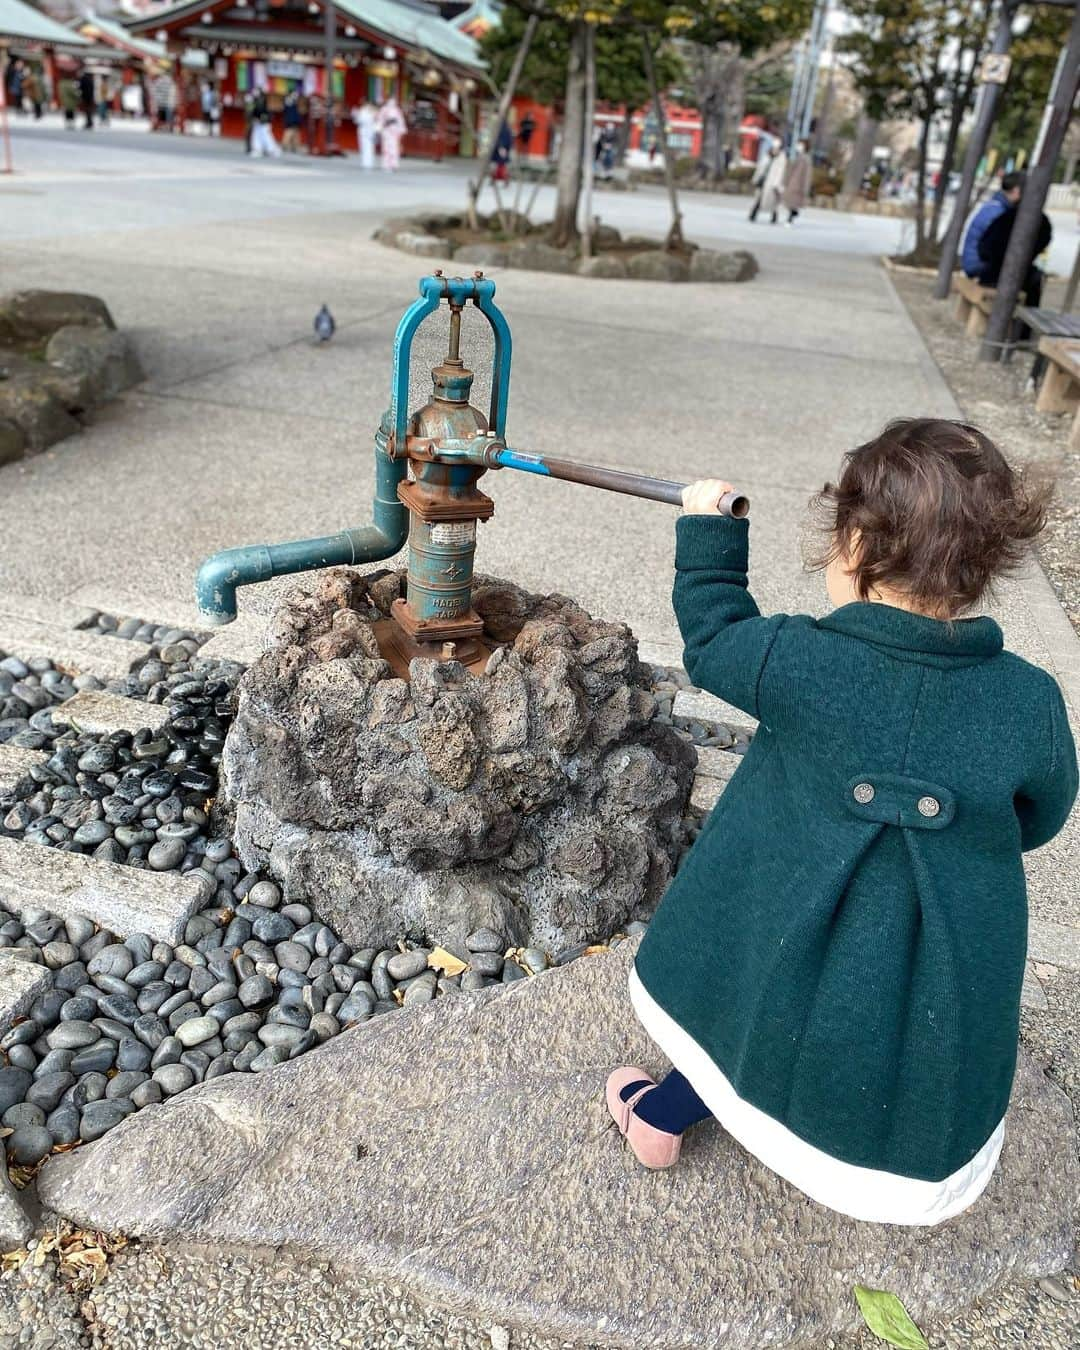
[330, 37]
[994, 73]
[1025, 229]
[813, 68]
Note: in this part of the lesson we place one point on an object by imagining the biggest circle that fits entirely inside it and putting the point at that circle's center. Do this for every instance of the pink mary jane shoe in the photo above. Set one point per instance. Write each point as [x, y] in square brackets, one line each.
[652, 1147]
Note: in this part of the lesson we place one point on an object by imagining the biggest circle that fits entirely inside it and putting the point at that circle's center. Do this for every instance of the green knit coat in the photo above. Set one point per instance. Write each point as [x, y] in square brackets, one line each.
[849, 959]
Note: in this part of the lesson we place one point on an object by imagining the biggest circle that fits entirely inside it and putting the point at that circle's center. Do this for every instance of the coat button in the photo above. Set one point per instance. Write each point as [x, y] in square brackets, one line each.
[863, 793]
[929, 806]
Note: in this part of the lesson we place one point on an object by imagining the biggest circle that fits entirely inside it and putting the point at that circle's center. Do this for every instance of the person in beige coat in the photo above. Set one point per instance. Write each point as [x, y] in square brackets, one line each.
[798, 180]
[769, 178]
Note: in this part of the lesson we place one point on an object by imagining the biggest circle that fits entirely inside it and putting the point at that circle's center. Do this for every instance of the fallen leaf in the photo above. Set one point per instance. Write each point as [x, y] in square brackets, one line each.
[447, 962]
[597, 949]
[888, 1319]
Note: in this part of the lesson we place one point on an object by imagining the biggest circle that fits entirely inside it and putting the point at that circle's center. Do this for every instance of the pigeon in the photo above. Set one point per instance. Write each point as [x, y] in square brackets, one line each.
[324, 325]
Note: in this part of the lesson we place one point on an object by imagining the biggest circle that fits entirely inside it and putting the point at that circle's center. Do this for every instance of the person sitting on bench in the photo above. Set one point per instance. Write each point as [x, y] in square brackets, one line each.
[987, 239]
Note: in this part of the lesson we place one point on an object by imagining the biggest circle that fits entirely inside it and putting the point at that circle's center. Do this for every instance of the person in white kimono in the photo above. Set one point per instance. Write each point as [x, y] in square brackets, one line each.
[366, 118]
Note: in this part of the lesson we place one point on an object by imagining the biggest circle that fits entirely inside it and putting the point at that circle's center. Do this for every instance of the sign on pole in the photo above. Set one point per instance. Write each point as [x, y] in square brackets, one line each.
[995, 68]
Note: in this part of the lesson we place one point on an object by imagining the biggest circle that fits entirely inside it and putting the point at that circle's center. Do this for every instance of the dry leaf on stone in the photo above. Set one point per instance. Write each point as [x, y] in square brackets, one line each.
[888, 1319]
[446, 962]
[596, 950]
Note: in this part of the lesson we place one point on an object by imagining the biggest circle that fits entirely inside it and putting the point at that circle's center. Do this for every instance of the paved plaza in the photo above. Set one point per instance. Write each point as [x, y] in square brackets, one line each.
[247, 431]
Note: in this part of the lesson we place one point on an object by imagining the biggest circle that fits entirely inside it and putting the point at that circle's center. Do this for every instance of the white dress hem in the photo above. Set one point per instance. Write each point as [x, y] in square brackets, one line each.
[859, 1192]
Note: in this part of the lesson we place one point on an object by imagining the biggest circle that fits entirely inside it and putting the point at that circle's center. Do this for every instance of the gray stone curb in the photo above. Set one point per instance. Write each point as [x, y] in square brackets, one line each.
[121, 899]
[15, 764]
[101, 713]
[21, 982]
[71, 650]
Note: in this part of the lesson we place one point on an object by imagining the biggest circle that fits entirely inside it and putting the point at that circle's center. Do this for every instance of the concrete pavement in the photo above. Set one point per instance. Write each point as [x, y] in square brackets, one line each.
[246, 431]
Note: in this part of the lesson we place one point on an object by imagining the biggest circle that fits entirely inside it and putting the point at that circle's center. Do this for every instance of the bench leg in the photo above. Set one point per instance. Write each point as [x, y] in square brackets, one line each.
[976, 322]
[1053, 392]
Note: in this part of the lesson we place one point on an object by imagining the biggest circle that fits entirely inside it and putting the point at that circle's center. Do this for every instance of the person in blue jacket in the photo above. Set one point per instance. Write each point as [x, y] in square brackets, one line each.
[1007, 198]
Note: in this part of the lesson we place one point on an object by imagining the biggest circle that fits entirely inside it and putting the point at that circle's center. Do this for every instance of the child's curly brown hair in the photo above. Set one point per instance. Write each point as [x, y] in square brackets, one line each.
[931, 510]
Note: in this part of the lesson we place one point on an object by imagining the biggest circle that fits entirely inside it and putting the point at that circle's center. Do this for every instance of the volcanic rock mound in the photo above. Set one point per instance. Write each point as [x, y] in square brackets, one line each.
[540, 797]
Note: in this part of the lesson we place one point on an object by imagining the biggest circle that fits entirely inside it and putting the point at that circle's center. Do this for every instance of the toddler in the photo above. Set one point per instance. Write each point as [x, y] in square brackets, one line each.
[835, 972]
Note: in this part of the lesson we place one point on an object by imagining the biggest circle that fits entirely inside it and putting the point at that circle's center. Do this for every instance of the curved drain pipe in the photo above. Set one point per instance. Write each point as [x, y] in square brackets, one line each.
[221, 575]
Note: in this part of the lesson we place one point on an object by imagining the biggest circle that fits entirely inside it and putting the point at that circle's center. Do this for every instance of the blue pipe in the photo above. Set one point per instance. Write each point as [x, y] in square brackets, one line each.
[220, 575]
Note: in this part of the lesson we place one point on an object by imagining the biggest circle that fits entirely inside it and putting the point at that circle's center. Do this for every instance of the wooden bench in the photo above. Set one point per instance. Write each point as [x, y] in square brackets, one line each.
[1060, 388]
[974, 301]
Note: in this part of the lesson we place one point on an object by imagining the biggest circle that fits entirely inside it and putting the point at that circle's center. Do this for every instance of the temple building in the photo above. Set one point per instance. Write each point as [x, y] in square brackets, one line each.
[382, 48]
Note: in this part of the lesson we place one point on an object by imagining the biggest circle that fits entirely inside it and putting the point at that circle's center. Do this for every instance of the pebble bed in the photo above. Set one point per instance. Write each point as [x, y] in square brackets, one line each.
[256, 981]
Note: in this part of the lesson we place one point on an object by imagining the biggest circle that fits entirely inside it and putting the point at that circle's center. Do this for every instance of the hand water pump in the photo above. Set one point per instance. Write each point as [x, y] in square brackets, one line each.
[448, 445]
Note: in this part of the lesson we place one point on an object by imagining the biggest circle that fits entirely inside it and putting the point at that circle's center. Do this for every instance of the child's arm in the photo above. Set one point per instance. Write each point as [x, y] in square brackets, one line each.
[727, 641]
[1043, 806]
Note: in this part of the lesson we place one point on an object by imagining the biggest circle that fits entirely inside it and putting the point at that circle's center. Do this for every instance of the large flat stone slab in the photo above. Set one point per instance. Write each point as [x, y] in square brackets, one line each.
[15, 762]
[21, 982]
[73, 651]
[462, 1148]
[122, 899]
[15, 1224]
[1056, 943]
[102, 713]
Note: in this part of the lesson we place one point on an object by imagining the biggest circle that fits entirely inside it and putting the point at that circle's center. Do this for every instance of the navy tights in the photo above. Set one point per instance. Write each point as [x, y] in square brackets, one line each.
[672, 1105]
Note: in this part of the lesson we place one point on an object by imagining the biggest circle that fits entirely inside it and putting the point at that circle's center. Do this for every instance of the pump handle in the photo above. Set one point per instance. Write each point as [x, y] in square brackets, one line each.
[614, 480]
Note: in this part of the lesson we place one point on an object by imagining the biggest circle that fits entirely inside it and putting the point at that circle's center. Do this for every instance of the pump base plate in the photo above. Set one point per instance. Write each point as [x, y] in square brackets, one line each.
[398, 648]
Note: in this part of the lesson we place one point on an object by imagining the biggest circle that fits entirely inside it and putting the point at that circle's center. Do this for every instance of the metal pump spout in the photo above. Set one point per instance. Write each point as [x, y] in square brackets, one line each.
[221, 575]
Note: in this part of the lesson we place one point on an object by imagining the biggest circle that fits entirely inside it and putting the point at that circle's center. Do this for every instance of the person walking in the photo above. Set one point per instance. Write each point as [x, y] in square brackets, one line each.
[68, 93]
[526, 127]
[86, 97]
[290, 121]
[103, 94]
[366, 118]
[605, 150]
[163, 93]
[500, 154]
[769, 180]
[391, 123]
[798, 180]
[262, 133]
[15, 85]
[32, 92]
[208, 101]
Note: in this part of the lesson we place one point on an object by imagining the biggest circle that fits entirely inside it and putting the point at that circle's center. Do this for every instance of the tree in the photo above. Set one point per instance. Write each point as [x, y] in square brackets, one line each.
[1034, 60]
[554, 73]
[725, 46]
[626, 24]
[726, 84]
[909, 59]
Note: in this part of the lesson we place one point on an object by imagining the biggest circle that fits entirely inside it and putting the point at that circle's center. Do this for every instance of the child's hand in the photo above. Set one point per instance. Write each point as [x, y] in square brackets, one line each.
[703, 497]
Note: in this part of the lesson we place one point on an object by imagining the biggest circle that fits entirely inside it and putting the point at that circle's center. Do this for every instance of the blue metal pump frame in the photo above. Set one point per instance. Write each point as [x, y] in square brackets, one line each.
[221, 575]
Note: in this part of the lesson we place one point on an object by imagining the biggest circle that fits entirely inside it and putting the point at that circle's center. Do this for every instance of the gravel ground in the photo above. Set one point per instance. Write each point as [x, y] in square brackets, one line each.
[994, 397]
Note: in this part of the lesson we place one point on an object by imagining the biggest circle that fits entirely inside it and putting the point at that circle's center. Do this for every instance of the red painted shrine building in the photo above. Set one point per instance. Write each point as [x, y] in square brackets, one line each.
[382, 48]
